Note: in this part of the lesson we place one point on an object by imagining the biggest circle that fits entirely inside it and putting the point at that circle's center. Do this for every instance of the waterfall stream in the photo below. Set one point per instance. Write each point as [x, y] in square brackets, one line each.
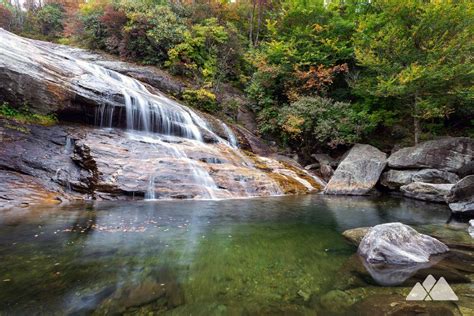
[168, 149]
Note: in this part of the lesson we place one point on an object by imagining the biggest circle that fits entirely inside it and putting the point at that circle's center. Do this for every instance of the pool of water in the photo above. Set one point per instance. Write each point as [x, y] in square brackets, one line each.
[246, 256]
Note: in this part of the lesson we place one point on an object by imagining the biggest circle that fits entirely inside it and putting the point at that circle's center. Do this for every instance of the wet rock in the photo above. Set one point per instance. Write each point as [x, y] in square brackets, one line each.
[396, 243]
[49, 82]
[385, 305]
[461, 196]
[426, 191]
[336, 301]
[450, 154]
[356, 235]
[358, 173]
[19, 190]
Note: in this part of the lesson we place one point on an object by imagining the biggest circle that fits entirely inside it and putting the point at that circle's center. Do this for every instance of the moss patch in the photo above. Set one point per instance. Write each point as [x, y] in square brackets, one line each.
[25, 116]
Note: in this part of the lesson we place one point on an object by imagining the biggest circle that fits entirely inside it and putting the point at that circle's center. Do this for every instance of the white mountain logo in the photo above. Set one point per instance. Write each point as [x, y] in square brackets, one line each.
[432, 291]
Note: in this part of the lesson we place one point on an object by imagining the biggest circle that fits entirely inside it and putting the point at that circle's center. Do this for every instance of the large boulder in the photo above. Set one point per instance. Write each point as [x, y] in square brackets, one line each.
[426, 191]
[394, 179]
[358, 173]
[396, 243]
[450, 154]
[435, 176]
[461, 197]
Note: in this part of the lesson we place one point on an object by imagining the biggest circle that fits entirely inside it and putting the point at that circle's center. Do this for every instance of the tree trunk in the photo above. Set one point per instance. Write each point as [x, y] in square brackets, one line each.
[416, 121]
[252, 18]
[259, 21]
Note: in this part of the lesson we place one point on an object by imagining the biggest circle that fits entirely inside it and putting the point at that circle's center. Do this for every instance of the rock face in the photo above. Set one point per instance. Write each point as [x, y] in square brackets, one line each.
[48, 164]
[396, 243]
[450, 154]
[358, 173]
[145, 145]
[426, 191]
[461, 197]
[394, 179]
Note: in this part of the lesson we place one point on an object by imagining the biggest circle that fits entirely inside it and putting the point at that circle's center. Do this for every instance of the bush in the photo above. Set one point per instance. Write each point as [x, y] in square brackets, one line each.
[25, 116]
[50, 20]
[201, 99]
[6, 18]
[150, 34]
[323, 122]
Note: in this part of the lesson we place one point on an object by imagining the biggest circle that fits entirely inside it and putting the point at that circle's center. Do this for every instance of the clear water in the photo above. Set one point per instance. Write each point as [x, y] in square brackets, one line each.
[185, 257]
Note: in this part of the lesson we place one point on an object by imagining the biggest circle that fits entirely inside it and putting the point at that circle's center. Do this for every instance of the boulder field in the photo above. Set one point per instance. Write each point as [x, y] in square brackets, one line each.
[435, 171]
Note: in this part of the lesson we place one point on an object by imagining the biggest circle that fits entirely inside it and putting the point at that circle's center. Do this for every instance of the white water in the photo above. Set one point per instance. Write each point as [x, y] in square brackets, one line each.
[230, 136]
[150, 115]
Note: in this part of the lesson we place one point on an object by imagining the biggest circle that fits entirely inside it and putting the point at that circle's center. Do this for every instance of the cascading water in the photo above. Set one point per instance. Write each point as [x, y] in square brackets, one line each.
[145, 111]
[152, 112]
[164, 154]
[230, 135]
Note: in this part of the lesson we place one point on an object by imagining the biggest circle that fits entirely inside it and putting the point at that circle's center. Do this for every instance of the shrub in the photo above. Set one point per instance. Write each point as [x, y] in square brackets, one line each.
[25, 116]
[6, 17]
[201, 99]
[322, 121]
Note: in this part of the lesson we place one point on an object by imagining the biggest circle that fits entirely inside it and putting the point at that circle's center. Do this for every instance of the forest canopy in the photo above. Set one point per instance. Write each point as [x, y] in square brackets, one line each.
[316, 73]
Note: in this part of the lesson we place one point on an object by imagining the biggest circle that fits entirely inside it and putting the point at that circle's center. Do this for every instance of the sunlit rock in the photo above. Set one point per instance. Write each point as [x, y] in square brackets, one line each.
[358, 173]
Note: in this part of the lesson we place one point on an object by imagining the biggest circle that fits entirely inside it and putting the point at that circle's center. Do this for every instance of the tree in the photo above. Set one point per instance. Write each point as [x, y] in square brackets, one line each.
[316, 121]
[197, 55]
[6, 17]
[50, 19]
[418, 54]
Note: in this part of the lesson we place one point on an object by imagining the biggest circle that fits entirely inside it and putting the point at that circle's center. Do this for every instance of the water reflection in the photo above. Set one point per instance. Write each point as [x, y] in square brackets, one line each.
[115, 257]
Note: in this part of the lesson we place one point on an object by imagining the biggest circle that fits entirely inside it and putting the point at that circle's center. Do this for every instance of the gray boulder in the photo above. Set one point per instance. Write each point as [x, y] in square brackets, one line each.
[450, 154]
[435, 176]
[394, 179]
[324, 159]
[426, 191]
[461, 196]
[396, 243]
[358, 173]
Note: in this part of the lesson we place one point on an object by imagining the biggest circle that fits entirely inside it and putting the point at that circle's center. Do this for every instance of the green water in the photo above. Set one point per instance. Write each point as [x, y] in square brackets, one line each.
[249, 256]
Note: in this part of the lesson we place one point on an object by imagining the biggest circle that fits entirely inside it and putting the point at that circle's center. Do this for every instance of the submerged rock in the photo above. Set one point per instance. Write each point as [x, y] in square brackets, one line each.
[426, 191]
[450, 154]
[358, 173]
[461, 197]
[355, 235]
[396, 243]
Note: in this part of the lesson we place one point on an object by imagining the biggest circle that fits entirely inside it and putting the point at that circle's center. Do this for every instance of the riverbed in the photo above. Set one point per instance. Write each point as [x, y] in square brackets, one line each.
[279, 255]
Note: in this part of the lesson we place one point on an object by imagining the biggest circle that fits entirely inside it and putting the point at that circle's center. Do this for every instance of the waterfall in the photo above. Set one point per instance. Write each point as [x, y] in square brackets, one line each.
[230, 136]
[145, 111]
[177, 153]
[151, 116]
